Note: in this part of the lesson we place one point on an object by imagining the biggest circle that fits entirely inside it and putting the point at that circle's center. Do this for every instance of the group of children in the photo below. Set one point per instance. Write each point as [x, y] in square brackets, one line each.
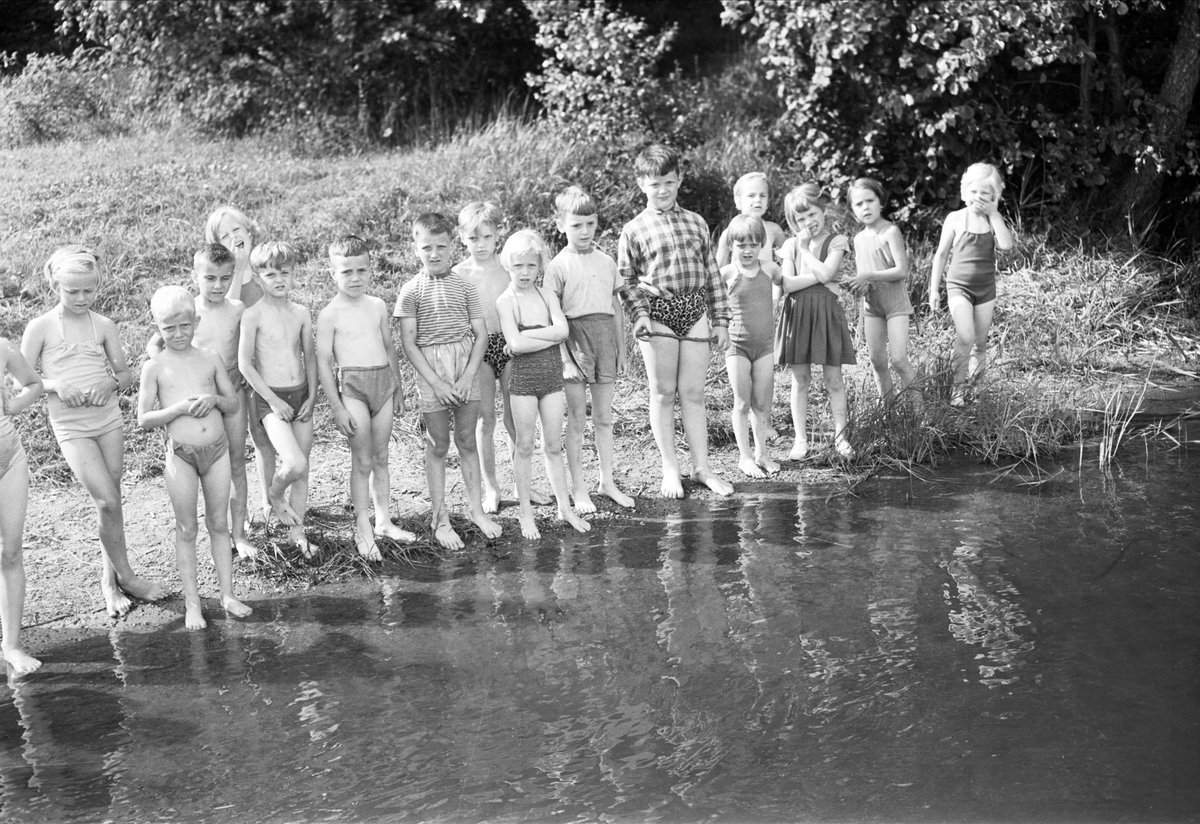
[242, 358]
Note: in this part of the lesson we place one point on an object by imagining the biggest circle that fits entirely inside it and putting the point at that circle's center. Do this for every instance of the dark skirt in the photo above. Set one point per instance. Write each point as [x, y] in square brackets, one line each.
[812, 329]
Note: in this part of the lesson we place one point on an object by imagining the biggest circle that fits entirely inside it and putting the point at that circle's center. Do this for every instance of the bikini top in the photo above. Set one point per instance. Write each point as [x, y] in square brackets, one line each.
[521, 326]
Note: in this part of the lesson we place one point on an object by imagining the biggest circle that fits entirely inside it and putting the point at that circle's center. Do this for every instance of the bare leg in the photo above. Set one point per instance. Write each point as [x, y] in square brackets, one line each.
[264, 460]
[661, 356]
[465, 416]
[693, 368]
[297, 493]
[361, 458]
[877, 346]
[182, 484]
[576, 395]
[602, 422]
[550, 410]
[740, 372]
[485, 437]
[762, 392]
[236, 430]
[965, 335]
[535, 497]
[437, 444]
[525, 410]
[381, 479]
[838, 407]
[14, 491]
[983, 324]
[801, 378]
[215, 484]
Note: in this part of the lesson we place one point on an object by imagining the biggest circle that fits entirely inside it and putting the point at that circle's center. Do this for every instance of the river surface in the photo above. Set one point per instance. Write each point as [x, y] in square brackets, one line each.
[968, 649]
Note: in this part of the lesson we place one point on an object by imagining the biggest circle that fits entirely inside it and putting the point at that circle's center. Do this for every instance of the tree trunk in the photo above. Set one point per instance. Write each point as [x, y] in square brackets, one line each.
[1138, 195]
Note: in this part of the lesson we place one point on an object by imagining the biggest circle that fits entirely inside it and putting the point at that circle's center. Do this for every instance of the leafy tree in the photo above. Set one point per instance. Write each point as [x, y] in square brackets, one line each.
[912, 91]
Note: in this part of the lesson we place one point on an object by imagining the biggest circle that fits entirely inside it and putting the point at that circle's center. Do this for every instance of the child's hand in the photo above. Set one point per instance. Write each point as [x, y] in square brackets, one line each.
[71, 396]
[345, 422]
[622, 362]
[101, 391]
[722, 338]
[462, 389]
[445, 393]
[306, 408]
[200, 405]
[281, 409]
[641, 328]
[935, 301]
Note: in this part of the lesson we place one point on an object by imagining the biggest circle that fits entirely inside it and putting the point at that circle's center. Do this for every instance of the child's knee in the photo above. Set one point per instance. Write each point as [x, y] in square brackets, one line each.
[186, 530]
[108, 505]
[464, 440]
[216, 522]
[879, 361]
[742, 406]
[292, 467]
[361, 461]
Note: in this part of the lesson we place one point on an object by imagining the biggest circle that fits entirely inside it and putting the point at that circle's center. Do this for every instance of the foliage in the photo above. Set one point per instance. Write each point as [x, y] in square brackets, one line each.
[1057, 92]
[56, 98]
[377, 68]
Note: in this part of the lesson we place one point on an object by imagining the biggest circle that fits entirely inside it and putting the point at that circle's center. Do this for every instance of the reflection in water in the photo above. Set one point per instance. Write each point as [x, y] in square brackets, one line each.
[899, 655]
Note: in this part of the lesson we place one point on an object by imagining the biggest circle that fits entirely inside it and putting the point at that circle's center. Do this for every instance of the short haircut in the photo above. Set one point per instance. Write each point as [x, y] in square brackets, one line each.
[212, 254]
[656, 160]
[800, 200]
[349, 246]
[983, 171]
[274, 254]
[433, 223]
[212, 225]
[525, 242]
[748, 178]
[71, 260]
[574, 201]
[171, 302]
[747, 228]
[871, 185]
[477, 212]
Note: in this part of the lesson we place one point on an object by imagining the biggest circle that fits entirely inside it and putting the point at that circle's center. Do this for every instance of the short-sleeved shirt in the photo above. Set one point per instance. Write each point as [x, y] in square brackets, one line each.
[668, 253]
[443, 306]
[584, 283]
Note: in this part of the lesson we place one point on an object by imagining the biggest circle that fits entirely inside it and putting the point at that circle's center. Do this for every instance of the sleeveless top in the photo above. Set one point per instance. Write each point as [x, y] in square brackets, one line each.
[750, 300]
[974, 258]
[80, 364]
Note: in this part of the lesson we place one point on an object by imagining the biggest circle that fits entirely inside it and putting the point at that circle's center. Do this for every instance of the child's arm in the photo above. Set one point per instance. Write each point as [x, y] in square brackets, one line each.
[443, 391]
[100, 392]
[33, 341]
[247, 339]
[308, 349]
[619, 325]
[823, 270]
[724, 254]
[629, 266]
[342, 418]
[389, 346]
[1000, 230]
[148, 417]
[155, 345]
[729, 274]
[462, 386]
[224, 400]
[939, 261]
[792, 279]
[23, 374]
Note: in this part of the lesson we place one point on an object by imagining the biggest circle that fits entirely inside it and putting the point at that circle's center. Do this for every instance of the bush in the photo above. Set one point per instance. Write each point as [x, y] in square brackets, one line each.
[57, 98]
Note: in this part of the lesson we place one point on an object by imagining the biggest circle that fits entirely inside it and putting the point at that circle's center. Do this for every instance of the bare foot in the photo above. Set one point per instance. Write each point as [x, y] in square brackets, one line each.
[284, 512]
[193, 618]
[714, 482]
[764, 460]
[799, 450]
[618, 497]
[583, 502]
[672, 485]
[143, 589]
[490, 529]
[538, 498]
[491, 501]
[367, 548]
[844, 448]
[529, 529]
[245, 549]
[750, 468]
[387, 529]
[445, 535]
[115, 599]
[574, 520]
[234, 607]
[959, 398]
[771, 435]
[297, 539]
[21, 661]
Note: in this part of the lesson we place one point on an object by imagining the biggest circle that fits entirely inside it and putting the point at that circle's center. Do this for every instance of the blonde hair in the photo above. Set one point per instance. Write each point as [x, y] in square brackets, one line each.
[170, 302]
[748, 178]
[212, 226]
[274, 254]
[525, 242]
[800, 200]
[982, 171]
[480, 211]
[71, 260]
[745, 228]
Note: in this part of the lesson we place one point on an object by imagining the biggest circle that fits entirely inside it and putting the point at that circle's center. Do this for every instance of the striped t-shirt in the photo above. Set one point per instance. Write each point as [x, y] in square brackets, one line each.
[444, 307]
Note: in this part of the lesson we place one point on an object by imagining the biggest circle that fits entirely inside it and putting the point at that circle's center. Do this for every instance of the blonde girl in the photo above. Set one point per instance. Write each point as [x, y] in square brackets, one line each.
[235, 231]
[752, 196]
[812, 326]
[14, 492]
[882, 279]
[970, 238]
[79, 355]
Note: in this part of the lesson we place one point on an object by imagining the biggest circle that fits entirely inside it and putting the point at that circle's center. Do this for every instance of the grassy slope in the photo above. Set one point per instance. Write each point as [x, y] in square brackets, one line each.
[1066, 315]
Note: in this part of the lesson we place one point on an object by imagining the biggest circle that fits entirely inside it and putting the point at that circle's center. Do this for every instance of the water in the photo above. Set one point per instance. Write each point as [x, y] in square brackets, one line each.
[965, 650]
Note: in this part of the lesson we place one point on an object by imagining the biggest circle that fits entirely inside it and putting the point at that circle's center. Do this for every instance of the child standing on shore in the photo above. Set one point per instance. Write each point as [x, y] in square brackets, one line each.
[278, 359]
[882, 280]
[673, 292]
[812, 326]
[79, 354]
[586, 283]
[972, 234]
[444, 337]
[353, 333]
[534, 327]
[750, 357]
[479, 225]
[752, 196]
[14, 492]
[187, 389]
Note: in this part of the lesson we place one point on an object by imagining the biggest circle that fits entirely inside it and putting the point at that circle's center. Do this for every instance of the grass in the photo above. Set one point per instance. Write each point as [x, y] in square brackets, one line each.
[1072, 322]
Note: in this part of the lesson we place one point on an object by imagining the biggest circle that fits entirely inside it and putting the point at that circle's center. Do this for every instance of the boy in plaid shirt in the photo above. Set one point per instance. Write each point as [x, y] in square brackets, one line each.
[675, 297]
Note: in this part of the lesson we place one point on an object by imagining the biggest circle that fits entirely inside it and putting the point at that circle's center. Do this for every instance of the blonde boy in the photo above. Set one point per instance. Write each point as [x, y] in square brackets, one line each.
[674, 294]
[187, 390]
[218, 327]
[586, 282]
[360, 373]
[277, 358]
[444, 337]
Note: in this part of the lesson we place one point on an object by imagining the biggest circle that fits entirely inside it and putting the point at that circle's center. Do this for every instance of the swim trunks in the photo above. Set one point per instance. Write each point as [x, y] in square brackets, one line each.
[200, 458]
[448, 361]
[592, 342]
[372, 385]
[293, 396]
[495, 355]
[680, 313]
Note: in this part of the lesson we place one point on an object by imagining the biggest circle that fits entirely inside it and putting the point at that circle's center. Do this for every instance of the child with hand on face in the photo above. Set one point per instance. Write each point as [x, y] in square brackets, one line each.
[360, 372]
[187, 390]
[534, 327]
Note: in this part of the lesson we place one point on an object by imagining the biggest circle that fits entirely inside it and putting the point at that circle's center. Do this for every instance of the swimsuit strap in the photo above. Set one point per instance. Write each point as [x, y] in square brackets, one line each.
[545, 303]
[62, 334]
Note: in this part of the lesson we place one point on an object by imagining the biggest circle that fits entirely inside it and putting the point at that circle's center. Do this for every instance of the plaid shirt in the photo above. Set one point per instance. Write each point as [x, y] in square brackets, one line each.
[664, 254]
